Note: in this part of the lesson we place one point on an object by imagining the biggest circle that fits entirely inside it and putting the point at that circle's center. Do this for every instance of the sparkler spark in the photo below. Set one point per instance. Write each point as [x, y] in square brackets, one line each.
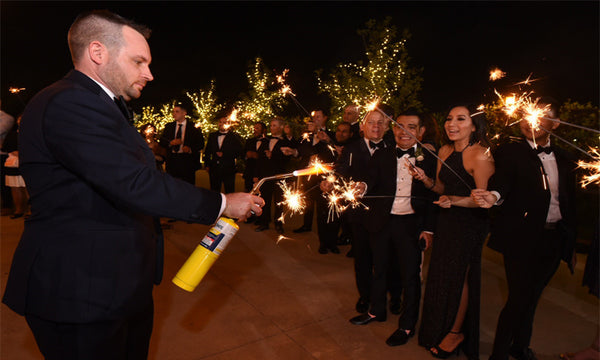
[293, 199]
[593, 167]
[232, 119]
[343, 196]
[14, 90]
[496, 74]
[372, 105]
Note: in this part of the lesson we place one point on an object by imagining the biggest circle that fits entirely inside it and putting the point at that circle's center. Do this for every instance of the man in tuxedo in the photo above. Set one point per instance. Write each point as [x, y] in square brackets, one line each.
[183, 142]
[534, 228]
[84, 270]
[351, 115]
[272, 161]
[222, 149]
[317, 145]
[399, 222]
[352, 164]
[251, 154]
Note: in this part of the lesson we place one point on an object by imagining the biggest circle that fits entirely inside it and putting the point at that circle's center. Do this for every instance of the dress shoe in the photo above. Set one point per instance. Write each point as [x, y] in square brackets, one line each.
[364, 319]
[261, 228]
[399, 337]
[362, 306]
[16, 215]
[526, 354]
[279, 228]
[334, 250]
[322, 250]
[302, 229]
[395, 307]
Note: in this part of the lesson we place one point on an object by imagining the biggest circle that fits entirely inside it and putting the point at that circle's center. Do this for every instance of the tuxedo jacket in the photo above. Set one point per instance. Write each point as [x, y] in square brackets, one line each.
[192, 138]
[250, 169]
[518, 222]
[353, 164]
[232, 149]
[382, 174]
[277, 164]
[92, 248]
[306, 150]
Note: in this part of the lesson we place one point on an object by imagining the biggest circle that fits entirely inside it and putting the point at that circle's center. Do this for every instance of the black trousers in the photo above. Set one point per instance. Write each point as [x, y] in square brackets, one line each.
[328, 227]
[311, 193]
[217, 178]
[272, 194]
[363, 260]
[122, 339]
[182, 166]
[396, 248]
[527, 276]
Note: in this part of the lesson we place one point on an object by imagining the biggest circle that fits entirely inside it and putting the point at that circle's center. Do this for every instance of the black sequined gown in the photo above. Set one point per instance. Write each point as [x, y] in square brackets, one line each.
[456, 252]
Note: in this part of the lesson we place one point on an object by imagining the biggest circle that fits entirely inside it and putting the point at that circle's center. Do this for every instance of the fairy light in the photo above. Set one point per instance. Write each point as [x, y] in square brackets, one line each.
[14, 90]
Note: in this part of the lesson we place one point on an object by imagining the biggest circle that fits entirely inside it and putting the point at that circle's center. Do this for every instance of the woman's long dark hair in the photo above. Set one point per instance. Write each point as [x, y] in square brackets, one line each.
[479, 120]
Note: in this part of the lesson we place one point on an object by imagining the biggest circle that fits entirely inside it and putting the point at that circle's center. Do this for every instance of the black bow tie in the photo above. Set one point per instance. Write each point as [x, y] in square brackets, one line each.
[400, 153]
[375, 146]
[542, 149]
[221, 134]
[120, 101]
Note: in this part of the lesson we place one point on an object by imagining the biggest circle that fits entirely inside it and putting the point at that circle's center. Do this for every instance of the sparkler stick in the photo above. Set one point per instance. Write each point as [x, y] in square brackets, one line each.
[287, 90]
[316, 168]
[567, 142]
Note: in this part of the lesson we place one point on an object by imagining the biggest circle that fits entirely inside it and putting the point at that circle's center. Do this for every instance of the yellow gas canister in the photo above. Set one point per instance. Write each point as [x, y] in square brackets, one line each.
[206, 253]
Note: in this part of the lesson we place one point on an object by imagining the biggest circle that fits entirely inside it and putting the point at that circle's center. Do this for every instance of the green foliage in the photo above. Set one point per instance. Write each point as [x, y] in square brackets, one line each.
[386, 74]
[580, 114]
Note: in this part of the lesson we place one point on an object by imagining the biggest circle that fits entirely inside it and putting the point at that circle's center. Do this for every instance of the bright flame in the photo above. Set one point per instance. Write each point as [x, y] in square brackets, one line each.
[315, 168]
[372, 105]
[232, 119]
[496, 74]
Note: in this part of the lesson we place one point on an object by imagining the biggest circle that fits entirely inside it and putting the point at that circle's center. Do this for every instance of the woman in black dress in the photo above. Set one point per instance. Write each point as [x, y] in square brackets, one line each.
[451, 303]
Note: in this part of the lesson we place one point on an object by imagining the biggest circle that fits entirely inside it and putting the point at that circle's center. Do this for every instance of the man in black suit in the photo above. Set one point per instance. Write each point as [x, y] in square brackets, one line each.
[83, 272]
[398, 222]
[272, 161]
[251, 151]
[318, 144]
[351, 115]
[534, 228]
[352, 164]
[222, 149]
[183, 143]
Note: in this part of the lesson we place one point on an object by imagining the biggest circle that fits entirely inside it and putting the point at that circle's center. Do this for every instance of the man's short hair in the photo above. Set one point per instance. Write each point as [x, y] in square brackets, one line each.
[345, 123]
[324, 111]
[279, 119]
[99, 25]
[412, 112]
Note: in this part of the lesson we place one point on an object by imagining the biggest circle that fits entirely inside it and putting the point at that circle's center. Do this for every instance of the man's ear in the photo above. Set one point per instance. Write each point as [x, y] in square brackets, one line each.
[421, 132]
[97, 52]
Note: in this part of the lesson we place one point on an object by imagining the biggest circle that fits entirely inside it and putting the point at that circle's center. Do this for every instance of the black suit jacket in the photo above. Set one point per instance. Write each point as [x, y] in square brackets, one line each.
[306, 150]
[519, 221]
[353, 164]
[382, 174]
[192, 138]
[250, 146]
[92, 248]
[232, 149]
[277, 164]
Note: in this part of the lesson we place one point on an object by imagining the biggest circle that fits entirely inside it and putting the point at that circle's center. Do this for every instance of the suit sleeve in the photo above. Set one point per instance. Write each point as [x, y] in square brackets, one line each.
[504, 176]
[92, 140]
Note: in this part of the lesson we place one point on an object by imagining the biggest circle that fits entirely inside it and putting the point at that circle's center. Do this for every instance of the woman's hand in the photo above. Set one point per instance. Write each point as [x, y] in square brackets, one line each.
[444, 201]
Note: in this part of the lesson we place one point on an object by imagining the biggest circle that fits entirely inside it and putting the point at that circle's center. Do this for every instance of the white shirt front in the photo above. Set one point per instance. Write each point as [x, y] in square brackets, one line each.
[183, 125]
[550, 171]
[402, 204]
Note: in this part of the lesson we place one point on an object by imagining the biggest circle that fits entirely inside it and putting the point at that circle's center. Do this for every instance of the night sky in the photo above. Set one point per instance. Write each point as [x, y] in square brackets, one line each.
[456, 43]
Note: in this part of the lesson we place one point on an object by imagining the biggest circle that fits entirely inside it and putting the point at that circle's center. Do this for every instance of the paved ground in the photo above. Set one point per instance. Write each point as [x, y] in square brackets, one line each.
[265, 299]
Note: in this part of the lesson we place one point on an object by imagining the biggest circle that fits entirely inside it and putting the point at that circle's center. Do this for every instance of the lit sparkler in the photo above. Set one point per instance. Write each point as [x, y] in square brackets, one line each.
[232, 119]
[345, 194]
[496, 74]
[315, 168]
[593, 167]
[293, 200]
[14, 90]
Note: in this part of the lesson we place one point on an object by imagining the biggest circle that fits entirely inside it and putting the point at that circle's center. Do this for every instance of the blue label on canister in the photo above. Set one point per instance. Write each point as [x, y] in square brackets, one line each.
[212, 240]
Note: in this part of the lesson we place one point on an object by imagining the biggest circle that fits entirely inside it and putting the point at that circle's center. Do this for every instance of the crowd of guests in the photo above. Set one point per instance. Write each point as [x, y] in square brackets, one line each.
[422, 190]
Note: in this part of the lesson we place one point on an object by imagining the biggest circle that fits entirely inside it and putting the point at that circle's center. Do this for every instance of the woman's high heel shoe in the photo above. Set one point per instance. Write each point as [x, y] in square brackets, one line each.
[443, 354]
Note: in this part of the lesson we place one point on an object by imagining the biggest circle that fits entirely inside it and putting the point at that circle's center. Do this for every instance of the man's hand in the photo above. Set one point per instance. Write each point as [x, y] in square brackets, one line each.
[186, 149]
[175, 142]
[219, 153]
[242, 205]
[287, 151]
[483, 198]
[326, 186]
[322, 136]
